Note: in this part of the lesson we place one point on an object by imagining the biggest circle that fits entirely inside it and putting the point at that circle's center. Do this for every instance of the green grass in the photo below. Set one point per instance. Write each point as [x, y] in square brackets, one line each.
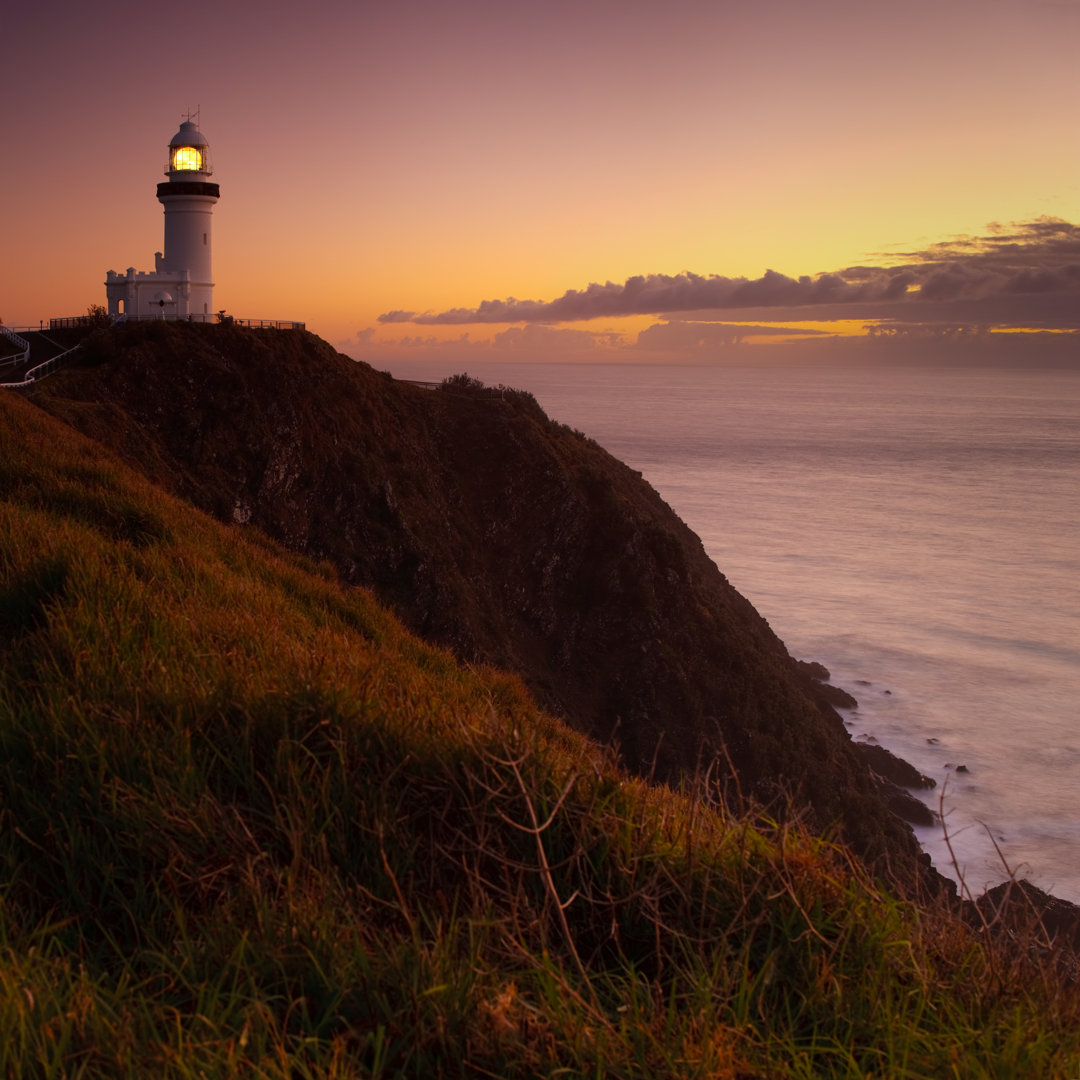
[250, 827]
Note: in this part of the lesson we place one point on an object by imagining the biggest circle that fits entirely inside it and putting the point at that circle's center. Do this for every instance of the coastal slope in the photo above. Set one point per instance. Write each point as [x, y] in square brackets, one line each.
[492, 530]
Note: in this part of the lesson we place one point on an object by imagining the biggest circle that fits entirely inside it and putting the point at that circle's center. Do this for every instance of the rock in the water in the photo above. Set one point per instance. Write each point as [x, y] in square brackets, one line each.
[817, 676]
[1020, 907]
[906, 806]
[813, 670]
[887, 765]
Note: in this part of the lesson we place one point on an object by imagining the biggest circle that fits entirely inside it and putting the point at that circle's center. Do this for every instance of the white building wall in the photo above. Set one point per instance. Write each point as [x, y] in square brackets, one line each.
[188, 235]
[145, 294]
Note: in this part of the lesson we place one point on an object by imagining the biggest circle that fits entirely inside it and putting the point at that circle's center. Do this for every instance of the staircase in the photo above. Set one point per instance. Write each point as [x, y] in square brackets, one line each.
[39, 356]
[19, 343]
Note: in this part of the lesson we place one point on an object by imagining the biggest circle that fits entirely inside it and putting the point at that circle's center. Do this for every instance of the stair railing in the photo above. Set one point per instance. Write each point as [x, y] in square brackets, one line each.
[19, 343]
[39, 371]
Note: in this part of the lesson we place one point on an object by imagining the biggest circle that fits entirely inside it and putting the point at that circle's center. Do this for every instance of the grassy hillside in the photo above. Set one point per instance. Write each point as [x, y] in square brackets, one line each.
[249, 826]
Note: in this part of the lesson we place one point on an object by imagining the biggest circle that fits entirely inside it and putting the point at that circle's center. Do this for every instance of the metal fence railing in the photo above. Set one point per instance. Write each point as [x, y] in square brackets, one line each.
[39, 371]
[90, 322]
[270, 324]
[220, 319]
[20, 343]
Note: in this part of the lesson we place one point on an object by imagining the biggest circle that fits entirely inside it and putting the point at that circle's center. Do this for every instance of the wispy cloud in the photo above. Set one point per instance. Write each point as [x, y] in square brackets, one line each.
[1025, 274]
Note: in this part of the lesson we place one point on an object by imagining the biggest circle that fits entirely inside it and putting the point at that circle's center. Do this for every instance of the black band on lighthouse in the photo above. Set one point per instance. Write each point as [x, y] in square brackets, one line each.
[188, 187]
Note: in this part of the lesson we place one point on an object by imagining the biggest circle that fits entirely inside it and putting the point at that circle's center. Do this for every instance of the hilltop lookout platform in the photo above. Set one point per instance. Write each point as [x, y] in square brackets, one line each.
[29, 353]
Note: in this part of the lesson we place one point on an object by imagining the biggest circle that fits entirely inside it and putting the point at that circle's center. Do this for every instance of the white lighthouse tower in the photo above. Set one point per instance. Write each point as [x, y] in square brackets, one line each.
[181, 284]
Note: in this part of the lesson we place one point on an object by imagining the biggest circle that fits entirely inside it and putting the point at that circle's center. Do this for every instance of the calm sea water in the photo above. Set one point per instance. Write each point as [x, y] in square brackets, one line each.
[917, 531]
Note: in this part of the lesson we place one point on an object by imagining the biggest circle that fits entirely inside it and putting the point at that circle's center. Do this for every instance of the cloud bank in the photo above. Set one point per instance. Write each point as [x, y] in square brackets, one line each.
[1022, 275]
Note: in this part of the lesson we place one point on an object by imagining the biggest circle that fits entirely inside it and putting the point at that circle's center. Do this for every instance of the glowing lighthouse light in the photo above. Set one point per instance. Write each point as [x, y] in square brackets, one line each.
[185, 158]
[182, 272]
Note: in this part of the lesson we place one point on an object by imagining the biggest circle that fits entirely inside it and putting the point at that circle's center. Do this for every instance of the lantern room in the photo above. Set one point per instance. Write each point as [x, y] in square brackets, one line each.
[188, 153]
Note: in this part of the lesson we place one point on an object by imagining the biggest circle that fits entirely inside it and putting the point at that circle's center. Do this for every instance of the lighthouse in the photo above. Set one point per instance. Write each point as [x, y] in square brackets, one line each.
[181, 284]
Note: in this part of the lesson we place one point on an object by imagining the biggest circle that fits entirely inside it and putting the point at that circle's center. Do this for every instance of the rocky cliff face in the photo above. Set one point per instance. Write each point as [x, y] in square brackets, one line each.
[490, 529]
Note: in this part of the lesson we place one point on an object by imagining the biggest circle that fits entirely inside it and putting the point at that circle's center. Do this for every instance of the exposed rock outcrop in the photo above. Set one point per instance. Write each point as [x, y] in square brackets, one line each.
[818, 676]
[894, 769]
[1047, 925]
[907, 806]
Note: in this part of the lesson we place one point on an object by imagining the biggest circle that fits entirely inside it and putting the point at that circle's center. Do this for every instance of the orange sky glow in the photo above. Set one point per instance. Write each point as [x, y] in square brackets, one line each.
[396, 175]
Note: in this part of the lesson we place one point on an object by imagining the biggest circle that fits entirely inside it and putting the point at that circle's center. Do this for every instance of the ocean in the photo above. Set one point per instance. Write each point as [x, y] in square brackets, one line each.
[916, 530]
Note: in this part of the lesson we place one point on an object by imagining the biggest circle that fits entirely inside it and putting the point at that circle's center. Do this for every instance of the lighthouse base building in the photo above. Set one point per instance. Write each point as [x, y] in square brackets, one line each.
[158, 294]
[181, 285]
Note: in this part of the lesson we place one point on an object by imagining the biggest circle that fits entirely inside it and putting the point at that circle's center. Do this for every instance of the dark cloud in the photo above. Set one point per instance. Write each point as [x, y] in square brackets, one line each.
[1047, 241]
[691, 335]
[993, 279]
[659, 294]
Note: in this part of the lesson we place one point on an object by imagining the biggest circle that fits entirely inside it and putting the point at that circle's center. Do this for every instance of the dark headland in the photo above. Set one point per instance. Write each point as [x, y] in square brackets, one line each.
[494, 531]
[236, 791]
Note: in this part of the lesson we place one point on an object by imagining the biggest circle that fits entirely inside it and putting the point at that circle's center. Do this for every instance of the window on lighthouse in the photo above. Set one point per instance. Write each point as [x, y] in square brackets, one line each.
[186, 159]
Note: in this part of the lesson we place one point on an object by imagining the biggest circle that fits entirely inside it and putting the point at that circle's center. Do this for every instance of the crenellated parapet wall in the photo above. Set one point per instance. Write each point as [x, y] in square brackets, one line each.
[172, 293]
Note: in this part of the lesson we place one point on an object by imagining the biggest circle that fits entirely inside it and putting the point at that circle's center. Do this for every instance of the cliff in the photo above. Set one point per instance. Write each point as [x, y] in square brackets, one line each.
[492, 530]
[251, 826]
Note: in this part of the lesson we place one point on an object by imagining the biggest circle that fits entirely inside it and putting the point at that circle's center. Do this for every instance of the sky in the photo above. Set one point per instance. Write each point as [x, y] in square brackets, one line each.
[585, 180]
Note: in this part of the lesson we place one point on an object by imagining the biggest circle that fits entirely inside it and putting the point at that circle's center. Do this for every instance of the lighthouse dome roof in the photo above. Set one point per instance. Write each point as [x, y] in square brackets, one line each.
[188, 135]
